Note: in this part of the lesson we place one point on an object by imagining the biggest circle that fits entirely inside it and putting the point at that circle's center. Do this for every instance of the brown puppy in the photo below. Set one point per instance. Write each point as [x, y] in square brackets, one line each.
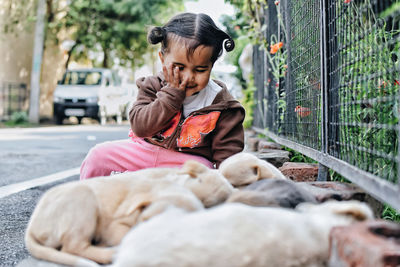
[272, 192]
[245, 168]
[83, 220]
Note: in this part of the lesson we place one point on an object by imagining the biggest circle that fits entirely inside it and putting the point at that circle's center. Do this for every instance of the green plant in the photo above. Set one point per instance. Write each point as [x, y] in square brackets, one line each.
[17, 118]
[296, 156]
[248, 103]
[390, 214]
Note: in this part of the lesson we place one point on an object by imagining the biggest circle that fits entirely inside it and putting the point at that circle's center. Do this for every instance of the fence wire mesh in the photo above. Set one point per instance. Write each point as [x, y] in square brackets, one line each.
[364, 112]
[303, 92]
[330, 82]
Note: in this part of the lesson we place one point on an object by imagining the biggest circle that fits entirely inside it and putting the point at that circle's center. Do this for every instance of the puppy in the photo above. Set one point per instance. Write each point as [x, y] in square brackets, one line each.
[79, 223]
[237, 235]
[272, 192]
[245, 168]
[209, 185]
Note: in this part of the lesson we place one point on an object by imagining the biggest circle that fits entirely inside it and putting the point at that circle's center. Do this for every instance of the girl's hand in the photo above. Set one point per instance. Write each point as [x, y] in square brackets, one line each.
[172, 77]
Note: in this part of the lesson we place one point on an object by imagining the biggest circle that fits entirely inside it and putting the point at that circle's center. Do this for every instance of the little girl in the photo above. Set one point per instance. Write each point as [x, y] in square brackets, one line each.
[181, 113]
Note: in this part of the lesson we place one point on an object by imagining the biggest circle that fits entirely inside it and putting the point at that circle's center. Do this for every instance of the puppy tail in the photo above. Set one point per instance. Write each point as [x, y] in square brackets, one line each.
[51, 254]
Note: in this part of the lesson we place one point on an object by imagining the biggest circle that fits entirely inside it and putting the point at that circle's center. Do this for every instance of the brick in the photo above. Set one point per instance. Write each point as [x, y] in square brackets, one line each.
[274, 156]
[265, 145]
[299, 171]
[368, 244]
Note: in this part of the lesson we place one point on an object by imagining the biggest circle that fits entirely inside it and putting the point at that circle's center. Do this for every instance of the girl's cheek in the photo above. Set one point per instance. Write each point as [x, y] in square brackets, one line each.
[184, 75]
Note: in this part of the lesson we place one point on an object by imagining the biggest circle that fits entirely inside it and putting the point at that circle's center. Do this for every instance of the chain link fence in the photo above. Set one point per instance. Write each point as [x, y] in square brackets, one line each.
[328, 86]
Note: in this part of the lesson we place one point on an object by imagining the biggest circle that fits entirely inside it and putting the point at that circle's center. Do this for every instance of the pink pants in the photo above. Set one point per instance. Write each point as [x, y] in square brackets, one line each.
[131, 155]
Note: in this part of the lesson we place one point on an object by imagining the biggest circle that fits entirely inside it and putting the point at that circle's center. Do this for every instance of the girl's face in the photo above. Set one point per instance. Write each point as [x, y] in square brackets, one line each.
[196, 68]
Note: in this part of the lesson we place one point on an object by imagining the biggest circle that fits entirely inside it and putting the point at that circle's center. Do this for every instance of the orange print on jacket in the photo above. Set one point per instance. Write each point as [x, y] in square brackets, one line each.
[174, 123]
[195, 126]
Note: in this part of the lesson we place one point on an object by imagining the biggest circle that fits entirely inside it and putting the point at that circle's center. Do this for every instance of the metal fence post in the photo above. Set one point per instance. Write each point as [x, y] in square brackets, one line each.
[323, 170]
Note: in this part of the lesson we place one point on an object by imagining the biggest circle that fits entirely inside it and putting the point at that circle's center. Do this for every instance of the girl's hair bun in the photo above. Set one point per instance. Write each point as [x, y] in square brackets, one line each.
[156, 35]
[229, 45]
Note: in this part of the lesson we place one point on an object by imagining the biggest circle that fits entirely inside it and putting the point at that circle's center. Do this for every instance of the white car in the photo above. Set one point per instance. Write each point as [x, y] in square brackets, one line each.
[94, 93]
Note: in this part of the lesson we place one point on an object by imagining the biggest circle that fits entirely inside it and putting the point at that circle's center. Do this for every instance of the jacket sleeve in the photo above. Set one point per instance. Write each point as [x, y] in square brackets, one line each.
[154, 107]
[228, 136]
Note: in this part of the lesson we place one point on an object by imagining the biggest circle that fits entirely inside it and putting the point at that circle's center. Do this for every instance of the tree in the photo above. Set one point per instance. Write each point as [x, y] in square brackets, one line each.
[116, 28]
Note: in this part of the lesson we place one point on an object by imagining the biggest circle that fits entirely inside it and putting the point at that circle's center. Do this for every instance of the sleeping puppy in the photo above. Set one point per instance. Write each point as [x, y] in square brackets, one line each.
[272, 192]
[238, 235]
[210, 186]
[79, 223]
[245, 168]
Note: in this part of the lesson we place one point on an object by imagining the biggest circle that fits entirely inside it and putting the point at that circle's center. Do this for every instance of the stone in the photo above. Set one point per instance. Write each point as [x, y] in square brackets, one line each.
[265, 145]
[299, 171]
[252, 143]
[367, 244]
[274, 156]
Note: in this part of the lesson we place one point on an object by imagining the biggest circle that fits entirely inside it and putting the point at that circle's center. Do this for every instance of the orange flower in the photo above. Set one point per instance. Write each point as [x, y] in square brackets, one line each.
[302, 111]
[347, 1]
[382, 84]
[275, 48]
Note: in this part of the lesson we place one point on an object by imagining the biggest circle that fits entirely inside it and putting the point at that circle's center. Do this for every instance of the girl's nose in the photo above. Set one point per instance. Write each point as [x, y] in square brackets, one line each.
[191, 77]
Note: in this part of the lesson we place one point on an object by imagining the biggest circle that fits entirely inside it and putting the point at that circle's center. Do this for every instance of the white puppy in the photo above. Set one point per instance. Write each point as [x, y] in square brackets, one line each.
[238, 235]
[81, 220]
[245, 168]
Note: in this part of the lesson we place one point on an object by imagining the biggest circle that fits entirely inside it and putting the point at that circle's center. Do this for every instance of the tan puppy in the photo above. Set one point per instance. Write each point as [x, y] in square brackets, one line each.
[210, 186]
[245, 168]
[83, 220]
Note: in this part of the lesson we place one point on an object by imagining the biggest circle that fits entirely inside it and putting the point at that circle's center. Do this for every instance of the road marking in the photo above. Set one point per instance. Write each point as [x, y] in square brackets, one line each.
[15, 188]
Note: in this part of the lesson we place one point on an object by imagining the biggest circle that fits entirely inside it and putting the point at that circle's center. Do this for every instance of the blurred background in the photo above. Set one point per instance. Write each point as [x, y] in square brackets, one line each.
[41, 39]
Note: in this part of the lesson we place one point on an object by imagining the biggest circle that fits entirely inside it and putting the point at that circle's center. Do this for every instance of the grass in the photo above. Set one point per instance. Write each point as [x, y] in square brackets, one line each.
[18, 119]
[390, 214]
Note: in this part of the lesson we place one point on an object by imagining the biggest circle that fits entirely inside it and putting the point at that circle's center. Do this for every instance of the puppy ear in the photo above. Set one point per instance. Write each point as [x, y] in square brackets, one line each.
[257, 171]
[359, 211]
[193, 168]
[266, 170]
[352, 208]
[138, 203]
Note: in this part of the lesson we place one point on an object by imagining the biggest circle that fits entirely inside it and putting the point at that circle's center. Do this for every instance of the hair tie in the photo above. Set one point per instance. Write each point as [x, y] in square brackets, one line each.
[229, 45]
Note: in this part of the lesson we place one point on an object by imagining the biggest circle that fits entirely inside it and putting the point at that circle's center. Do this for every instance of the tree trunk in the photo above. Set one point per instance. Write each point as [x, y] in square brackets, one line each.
[105, 60]
[69, 55]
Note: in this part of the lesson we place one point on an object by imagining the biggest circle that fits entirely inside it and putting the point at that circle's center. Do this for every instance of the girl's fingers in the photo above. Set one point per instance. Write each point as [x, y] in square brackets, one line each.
[172, 77]
[182, 85]
[170, 74]
[165, 71]
[176, 77]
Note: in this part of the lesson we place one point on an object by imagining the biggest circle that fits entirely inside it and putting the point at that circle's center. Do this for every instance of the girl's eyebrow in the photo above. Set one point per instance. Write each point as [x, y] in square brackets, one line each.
[200, 66]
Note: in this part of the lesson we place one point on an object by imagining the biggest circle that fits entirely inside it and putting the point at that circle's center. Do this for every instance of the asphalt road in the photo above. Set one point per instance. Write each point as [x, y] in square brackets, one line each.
[29, 153]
